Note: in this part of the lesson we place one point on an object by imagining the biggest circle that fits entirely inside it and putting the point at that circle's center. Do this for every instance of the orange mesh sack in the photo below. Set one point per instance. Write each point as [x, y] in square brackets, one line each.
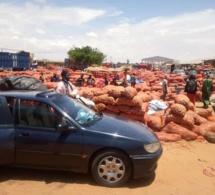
[125, 101]
[204, 112]
[183, 132]
[205, 127]
[191, 106]
[145, 87]
[100, 106]
[104, 99]
[99, 91]
[140, 110]
[182, 99]
[159, 113]
[132, 116]
[140, 98]
[157, 88]
[199, 95]
[50, 85]
[168, 137]
[115, 91]
[112, 108]
[178, 109]
[138, 87]
[211, 118]
[87, 93]
[154, 122]
[198, 120]
[125, 109]
[186, 119]
[129, 92]
[143, 96]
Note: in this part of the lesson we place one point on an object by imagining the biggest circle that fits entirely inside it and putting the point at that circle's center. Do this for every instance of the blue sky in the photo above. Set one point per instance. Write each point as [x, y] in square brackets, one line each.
[121, 29]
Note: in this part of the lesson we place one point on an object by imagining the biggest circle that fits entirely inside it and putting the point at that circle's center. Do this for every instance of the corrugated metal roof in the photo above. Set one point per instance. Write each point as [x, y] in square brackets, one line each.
[158, 59]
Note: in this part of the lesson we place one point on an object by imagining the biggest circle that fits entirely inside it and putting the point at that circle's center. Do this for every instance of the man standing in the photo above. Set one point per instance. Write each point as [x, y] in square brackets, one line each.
[164, 87]
[133, 80]
[191, 88]
[172, 67]
[207, 88]
[65, 87]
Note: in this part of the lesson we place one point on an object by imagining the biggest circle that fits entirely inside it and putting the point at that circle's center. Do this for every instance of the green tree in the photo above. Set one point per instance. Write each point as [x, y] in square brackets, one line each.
[86, 55]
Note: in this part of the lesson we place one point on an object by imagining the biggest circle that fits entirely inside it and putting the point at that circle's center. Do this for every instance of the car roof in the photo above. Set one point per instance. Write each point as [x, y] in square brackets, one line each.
[30, 94]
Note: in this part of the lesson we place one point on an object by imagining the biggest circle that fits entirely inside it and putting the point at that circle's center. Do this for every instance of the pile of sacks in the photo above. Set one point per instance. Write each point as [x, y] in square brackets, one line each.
[180, 120]
[183, 121]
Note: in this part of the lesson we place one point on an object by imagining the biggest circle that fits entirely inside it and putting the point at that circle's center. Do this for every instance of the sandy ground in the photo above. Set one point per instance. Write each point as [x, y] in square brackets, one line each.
[180, 171]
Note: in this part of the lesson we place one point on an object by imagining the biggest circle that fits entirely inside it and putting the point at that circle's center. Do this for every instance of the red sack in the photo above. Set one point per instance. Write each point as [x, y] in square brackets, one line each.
[178, 109]
[183, 132]
[167, 137]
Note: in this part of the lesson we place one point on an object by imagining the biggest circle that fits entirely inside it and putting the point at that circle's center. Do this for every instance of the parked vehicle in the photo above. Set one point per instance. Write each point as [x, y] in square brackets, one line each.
[208, 71]
[180, 71]
[17, 61]
[213, 73]
[50, 131]
[192, 72]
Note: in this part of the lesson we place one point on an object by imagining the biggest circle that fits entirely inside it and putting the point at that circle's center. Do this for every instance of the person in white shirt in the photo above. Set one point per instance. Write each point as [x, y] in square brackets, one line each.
[65, 87]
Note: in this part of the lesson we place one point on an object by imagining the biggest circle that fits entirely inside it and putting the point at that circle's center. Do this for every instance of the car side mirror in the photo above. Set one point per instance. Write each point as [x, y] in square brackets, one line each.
[63, 127]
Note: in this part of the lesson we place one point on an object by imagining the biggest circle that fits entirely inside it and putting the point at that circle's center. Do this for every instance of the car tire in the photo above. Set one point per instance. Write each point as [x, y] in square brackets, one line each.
[111, 168]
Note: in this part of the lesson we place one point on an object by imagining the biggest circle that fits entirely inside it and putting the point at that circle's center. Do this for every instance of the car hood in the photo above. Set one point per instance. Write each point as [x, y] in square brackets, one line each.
[119, 126]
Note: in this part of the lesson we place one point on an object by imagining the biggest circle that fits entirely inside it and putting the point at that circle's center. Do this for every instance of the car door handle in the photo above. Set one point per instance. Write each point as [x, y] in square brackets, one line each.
[24, 134]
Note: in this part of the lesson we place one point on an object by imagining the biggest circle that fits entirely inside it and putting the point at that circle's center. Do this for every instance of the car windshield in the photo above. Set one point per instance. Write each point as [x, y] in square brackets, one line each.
[77, 110]
[179, 72]
[192, 71]
[213, 73]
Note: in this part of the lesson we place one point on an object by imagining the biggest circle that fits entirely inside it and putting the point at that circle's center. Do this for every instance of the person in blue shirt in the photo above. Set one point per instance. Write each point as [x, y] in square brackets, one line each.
[55, 78]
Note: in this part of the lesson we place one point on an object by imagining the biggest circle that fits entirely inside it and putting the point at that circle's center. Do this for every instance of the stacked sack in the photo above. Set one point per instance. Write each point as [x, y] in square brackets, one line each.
[126, 102]
[183, 121]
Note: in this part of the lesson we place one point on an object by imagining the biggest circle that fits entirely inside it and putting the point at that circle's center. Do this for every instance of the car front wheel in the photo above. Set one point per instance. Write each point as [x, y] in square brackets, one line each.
[111, 168]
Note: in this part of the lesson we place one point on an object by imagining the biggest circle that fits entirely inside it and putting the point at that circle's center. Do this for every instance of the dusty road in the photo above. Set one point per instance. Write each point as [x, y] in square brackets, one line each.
[180, 172]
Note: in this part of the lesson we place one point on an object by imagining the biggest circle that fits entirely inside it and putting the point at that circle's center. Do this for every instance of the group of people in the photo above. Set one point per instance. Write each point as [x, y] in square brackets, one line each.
[54, 78]
[66, 87]
[80, 82]
[191, 89]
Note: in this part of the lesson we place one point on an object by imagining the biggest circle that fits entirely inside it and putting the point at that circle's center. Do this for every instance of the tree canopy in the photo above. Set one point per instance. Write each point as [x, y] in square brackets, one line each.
[86, 55]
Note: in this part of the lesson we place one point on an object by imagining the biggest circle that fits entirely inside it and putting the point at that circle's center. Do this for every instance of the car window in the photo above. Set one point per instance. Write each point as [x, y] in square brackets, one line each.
[5, 115]
[37, 114]
[76, 110]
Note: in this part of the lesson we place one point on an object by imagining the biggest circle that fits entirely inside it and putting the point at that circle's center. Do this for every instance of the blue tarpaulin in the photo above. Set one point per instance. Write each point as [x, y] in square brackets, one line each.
[137, 81]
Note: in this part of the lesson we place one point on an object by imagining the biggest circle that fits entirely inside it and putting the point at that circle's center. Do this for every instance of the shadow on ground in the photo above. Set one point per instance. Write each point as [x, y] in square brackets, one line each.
[48, 177]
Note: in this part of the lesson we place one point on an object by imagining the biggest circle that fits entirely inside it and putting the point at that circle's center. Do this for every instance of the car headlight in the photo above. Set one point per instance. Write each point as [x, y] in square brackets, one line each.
[152, 148]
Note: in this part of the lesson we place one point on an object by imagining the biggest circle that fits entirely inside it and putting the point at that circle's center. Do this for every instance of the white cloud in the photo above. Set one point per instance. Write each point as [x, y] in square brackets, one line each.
[117, 13]
[182, 37]
[51, 31]
[41, 1]
[40, 31]
[92, 35]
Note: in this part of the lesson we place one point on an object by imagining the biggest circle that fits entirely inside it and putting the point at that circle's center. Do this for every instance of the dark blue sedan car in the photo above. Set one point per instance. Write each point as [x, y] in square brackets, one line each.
[50, 131]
